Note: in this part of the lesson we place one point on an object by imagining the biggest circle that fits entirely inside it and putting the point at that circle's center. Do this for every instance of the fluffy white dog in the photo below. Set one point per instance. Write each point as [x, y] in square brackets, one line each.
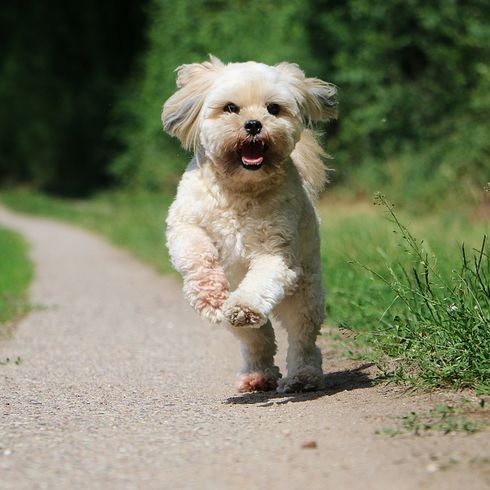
[242, 230]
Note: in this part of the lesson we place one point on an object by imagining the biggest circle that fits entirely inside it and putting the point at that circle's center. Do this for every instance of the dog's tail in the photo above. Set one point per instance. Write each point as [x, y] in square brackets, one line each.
[308, 158]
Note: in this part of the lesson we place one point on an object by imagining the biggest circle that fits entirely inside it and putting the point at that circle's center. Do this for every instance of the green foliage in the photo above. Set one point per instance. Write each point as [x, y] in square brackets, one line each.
[438, 316]
[61, 66]
[16, 273]
[414, 82]
[466, 417]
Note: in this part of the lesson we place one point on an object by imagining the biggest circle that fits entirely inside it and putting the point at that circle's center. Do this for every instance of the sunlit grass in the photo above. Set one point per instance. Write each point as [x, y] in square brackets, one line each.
[423, 299]
[135, 221]
[16, 272]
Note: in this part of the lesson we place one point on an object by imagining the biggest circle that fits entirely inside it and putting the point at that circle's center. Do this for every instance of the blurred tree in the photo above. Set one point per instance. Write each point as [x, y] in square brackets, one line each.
[415, 85]
[414, 80]
[61, 64]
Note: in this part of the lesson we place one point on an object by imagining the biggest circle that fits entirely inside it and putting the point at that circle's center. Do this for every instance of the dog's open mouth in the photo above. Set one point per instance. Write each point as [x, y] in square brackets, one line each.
[252, 154]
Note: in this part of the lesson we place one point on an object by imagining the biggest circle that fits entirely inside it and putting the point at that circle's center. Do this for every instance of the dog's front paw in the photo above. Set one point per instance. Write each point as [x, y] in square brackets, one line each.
[243, 316]
[240, 314]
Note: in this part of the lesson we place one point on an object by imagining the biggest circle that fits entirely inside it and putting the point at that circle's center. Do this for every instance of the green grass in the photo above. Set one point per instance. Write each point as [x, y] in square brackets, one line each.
[465, 417]
[423, 302]
[395, 292]
[133, 221]
[16, 272]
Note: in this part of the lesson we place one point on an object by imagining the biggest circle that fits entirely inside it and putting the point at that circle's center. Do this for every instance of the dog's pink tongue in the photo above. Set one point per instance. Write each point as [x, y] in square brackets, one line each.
[252, 153]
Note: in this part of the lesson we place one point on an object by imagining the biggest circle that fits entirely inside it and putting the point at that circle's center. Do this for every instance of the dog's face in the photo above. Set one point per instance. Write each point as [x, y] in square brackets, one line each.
[246, 117]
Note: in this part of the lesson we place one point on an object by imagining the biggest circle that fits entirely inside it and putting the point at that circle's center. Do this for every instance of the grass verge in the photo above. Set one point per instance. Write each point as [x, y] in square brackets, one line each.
[132, 221]
[16, 272]
[424, 304]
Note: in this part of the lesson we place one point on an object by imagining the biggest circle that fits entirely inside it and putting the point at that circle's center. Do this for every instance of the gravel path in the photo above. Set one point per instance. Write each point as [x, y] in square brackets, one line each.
[122, 386]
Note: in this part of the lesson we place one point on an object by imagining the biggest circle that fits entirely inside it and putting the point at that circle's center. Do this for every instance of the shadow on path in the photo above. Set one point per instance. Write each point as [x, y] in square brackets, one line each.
[348, 380]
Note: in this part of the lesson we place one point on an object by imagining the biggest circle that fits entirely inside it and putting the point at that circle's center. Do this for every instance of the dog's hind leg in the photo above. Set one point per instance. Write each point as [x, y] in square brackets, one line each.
[258, 347]
[302, 315]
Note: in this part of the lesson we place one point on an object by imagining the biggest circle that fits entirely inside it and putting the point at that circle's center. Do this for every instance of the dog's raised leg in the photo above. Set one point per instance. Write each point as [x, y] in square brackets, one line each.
[194, 255]
[302, 315]
[258, 349]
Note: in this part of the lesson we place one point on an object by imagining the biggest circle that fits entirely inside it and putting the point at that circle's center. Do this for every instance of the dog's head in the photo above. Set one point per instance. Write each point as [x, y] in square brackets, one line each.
[246, 117]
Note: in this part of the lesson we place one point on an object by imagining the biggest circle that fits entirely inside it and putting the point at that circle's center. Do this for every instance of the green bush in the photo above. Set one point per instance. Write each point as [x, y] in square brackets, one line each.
[414, 82]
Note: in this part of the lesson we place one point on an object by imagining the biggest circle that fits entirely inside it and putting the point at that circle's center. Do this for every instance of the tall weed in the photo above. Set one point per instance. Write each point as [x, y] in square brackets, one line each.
[437, 319]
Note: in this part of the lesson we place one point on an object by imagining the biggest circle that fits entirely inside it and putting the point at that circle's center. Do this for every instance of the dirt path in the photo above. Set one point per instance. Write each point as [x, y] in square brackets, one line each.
[122, 386]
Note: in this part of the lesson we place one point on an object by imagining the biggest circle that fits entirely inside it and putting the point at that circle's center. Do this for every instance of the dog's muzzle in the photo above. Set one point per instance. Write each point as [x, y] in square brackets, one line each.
[252, 154]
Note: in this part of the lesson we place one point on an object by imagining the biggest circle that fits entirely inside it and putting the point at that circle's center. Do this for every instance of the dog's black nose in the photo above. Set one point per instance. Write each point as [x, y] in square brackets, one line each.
[253, 127]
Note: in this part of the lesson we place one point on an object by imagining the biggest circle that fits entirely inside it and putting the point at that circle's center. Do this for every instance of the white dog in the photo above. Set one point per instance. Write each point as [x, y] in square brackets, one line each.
[242, 230]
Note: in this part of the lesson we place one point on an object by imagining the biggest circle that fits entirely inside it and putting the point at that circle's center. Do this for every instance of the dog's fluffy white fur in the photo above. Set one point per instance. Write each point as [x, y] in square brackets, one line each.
[242, 230]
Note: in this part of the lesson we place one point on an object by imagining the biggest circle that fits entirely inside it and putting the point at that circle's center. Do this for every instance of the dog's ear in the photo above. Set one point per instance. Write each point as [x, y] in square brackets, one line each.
[316, 98]
[321, 99]
[181, 111]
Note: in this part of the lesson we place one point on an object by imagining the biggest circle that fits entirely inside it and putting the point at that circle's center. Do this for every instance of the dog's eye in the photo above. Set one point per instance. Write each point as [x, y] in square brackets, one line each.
[273, 109]
[231, 107]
